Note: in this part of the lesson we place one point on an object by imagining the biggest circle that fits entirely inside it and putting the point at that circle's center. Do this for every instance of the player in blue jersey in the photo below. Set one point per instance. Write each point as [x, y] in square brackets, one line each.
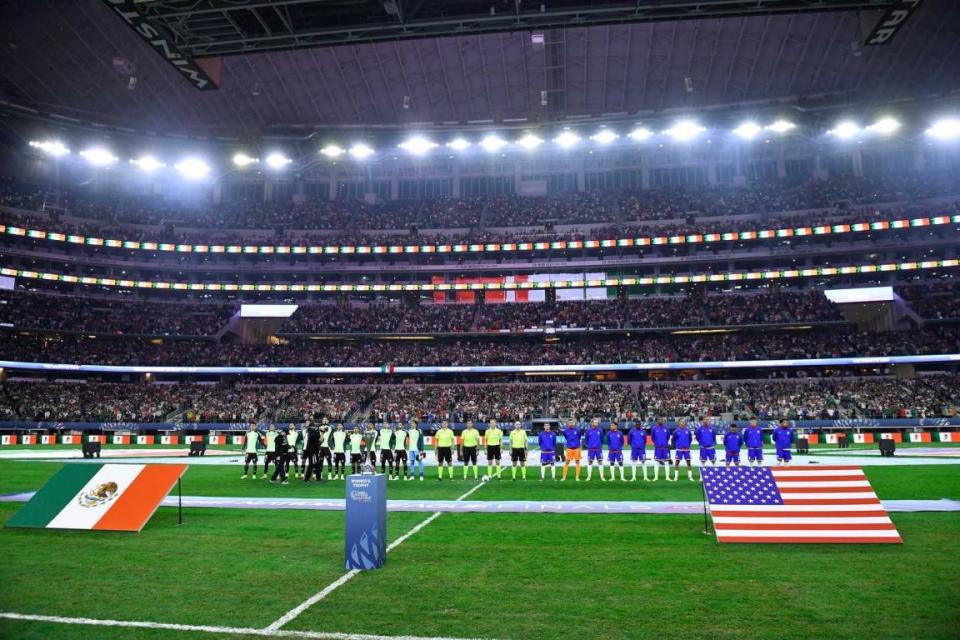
[782, 439]
[707, 440]
[753, 439]
[681, 439]
[732, 442]
[593, 438]
[615, 440]
[661, 449]
[637, 437]
[572, 437]
[547, 441]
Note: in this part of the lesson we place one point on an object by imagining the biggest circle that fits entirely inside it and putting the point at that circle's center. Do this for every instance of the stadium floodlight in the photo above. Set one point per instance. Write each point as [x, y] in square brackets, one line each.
[493, 143]
[945, 129]
[147, 163]
[243, 160]
[567, 139]
[277, 161]
[51, 147]
[885, 126]
[418, 145]
[361, 151]
[530, 142]
[332, 151]
[781, 126]
[748, 130]
[641, 133]
[193, 168]
[685, 130]
[604, 136]
[98, 156]
[459, 144]
[845, 130]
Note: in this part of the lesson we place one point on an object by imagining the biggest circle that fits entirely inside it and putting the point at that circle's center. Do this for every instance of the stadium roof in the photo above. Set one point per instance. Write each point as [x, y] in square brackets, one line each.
[81, 60]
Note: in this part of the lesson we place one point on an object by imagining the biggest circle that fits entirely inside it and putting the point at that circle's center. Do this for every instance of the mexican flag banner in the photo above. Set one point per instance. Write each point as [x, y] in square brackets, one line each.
[103, 497]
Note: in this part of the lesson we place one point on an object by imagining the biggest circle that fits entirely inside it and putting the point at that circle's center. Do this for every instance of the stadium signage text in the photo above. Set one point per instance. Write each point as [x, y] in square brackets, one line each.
[891, 22]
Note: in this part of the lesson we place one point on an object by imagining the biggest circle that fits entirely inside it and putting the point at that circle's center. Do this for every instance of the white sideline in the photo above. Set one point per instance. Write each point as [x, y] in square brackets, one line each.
[273, 633]
[339, 582]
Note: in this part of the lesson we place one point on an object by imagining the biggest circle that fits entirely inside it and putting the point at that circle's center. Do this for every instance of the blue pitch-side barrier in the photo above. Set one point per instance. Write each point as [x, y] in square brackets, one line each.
[804, 425]
[540, 368]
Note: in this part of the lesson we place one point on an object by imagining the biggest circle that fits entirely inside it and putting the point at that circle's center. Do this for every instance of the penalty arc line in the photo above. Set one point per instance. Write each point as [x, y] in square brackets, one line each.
[342, 580]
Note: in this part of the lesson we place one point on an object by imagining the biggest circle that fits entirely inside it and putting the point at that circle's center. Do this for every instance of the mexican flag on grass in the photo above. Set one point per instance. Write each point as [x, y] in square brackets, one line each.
[105, 497]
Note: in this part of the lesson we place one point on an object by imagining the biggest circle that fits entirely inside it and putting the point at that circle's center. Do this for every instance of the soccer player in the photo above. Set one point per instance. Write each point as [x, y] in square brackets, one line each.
[637, 437]
[614, 451]
[339, 440]
[271, 455]
[594, 441]
[707, 439]
[572, 437]
[661, 449]
[444, 440]
[493, 439]
[386, 449]
[547, 441]
[311, 453]
[293, 439]
[682, 438]
[782, 439]
[518, 450]
[732, 442]
[753, 438]
[356, 450]
[370, 445]
[281, 461]
[415, 446]
[326, 435]
[399, 451]
[470, 440]
[251, 440]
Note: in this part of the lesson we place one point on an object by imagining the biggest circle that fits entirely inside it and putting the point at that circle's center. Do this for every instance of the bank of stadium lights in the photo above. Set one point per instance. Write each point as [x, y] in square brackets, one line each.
[945, 129]
[567, 139]
[53, 148]
[748, 130]
[605, 136]
[781, 126]
[277, 161]
[242, 160]
[193, 168]
[492, 143]
[332, 151]
[885, 126]
[418, 145]
[529, 142]
[640, 134]
[459, 144]
[147, 163]
[98, 156]
[684, 130]
[845, 130]
[360, 151]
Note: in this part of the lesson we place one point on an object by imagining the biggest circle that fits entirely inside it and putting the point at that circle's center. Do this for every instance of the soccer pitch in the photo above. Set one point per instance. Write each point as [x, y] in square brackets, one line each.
[478, 575]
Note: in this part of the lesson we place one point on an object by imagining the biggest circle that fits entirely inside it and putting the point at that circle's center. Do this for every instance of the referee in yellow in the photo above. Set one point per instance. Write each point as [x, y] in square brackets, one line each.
[493, 438]
[518, 450]
[470, 440]
[444, 440]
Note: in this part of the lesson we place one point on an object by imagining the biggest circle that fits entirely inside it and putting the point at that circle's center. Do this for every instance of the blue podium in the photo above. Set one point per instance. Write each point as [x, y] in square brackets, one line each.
[366, 536]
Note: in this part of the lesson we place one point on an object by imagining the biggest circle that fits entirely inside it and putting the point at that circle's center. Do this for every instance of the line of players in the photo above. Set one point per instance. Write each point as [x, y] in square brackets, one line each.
[401, 449]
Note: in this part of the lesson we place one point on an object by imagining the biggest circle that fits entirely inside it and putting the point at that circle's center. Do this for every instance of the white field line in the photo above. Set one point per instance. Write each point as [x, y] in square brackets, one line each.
[339, 582]
[272, 633]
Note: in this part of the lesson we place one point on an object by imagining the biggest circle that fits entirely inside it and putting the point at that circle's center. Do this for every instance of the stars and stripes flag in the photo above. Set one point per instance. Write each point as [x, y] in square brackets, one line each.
[796, 504]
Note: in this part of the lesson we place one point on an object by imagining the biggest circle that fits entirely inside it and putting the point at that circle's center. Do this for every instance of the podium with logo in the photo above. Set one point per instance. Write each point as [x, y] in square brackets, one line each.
[366, 516]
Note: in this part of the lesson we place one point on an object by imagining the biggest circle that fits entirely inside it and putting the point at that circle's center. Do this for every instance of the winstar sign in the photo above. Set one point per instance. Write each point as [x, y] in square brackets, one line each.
[162, 44]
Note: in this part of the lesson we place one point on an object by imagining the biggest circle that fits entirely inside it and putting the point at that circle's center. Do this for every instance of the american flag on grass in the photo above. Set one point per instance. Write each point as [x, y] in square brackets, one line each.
[796, 504]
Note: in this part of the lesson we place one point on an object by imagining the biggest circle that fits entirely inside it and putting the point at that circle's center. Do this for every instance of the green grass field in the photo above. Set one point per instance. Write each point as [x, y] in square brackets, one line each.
[510, 576]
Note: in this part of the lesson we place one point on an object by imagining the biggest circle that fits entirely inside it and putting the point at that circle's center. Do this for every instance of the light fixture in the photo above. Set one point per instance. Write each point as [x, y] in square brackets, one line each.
[193, 168]
[51, 147]
[492, 143]
[781, 126]
[604, 136]
[417, 145]
[530, 141]
[748, 130]
[640, 134]
[277, 160]
[243, 160]
[845, 130]
[361, 151]
[567, 139]
[685, 130]
[945, 129]
[459, 144]
[98, 156]
[148, 163]
[885, 126]
[332, 151]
